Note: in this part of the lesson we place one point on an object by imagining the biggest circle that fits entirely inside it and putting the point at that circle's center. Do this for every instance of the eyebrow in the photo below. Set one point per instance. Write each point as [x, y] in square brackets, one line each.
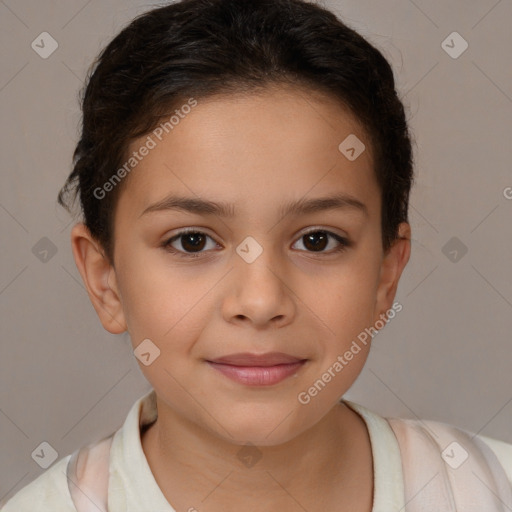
[297, 207]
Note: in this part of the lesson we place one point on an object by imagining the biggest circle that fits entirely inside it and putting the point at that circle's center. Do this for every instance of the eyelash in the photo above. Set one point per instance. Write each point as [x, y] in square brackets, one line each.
[344, 242]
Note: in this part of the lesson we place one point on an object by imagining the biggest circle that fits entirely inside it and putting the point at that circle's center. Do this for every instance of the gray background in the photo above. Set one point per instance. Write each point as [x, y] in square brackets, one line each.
[445, 357]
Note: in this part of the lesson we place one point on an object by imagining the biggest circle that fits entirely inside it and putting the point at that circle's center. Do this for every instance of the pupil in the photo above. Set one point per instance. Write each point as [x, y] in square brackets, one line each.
[312, 237]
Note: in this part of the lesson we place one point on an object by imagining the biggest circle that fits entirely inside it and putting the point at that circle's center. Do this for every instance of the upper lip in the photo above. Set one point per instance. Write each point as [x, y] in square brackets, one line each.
[248, 359]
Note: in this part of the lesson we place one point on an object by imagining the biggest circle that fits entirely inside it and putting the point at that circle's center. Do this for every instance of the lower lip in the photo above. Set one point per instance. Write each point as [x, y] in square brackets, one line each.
[258, 375]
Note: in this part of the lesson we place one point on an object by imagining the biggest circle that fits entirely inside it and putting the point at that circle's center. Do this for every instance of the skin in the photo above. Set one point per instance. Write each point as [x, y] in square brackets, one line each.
[257, 151]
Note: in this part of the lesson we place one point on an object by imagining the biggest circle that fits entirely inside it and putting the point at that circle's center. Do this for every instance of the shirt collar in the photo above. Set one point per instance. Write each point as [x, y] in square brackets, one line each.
[131, 474]
[388, 480]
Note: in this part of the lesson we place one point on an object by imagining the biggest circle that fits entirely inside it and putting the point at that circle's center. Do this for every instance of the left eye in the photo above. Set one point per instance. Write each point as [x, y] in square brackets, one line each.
[193, 242]
[318, 240]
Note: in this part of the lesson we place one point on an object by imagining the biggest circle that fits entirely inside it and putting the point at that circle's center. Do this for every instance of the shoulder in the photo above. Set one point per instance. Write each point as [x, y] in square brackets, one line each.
[47, 493]
[454, 442]
[503, 452]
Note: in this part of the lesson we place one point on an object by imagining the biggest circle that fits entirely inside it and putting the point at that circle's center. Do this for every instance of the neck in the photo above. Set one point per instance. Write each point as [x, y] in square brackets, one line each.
[191, 465]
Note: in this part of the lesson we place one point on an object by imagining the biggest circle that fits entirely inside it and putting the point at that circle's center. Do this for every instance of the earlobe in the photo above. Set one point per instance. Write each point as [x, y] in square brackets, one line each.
[98, 276]
[393, 264]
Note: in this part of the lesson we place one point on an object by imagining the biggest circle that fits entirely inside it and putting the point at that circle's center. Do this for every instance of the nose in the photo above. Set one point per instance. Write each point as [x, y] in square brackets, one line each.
[259, 292]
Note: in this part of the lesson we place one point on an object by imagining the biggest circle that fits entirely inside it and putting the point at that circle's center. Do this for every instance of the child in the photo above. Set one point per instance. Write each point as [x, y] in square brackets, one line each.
[244, 171]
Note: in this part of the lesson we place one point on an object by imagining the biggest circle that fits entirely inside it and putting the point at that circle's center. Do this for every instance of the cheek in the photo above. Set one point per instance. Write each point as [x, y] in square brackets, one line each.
[161, 302]
[348, 299]
[144, 295]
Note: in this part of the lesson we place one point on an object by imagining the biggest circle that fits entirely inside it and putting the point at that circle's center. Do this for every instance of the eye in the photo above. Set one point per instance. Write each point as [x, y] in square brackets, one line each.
[192, 243]
[318, 239]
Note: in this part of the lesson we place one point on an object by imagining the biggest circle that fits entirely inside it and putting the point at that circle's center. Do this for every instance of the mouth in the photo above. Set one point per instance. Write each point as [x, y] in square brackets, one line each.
[258, 369]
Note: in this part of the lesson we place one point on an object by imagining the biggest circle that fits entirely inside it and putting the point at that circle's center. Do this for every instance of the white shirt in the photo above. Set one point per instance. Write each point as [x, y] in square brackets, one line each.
[133, 488]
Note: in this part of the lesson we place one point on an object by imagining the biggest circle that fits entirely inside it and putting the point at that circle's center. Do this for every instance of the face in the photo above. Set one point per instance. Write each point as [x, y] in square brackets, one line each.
[258, 277]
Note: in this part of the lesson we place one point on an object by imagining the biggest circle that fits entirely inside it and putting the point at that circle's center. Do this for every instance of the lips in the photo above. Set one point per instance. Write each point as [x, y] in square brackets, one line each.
[258, 369]
[247, 359]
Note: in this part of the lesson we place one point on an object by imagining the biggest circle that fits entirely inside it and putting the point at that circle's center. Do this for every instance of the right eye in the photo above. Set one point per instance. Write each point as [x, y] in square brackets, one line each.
[192, 243]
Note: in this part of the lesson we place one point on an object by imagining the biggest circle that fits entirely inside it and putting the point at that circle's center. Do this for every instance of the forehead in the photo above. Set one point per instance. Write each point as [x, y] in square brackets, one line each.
[272, 146]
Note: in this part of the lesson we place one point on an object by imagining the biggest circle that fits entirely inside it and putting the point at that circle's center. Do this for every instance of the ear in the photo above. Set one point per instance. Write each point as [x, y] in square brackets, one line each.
[99, 278]
[393, 263]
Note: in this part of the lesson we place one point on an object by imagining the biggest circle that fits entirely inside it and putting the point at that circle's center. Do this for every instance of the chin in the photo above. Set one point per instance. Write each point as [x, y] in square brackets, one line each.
[269, 428]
